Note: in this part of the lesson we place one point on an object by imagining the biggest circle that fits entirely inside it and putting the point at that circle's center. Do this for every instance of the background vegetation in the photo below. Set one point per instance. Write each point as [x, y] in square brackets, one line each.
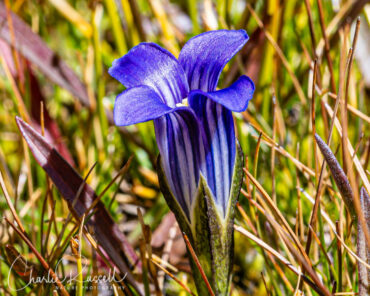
[67, 94]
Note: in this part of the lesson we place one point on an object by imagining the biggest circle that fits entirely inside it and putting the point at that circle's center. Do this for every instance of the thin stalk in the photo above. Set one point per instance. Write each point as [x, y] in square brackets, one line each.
[102, 126]
[193, 11]
[119, 36]
[79, 263]
[173, 277]
[327, 45]
[313, 122]
[339, 255]
[196, 260]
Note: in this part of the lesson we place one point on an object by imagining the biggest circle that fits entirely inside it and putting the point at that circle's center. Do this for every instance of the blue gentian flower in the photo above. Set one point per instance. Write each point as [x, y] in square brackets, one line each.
[193, 121]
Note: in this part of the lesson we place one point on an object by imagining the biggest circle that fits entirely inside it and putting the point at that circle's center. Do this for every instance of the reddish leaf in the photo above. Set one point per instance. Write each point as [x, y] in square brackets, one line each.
[7, 54]
[68, 182]
[34, 49]
[51, 126]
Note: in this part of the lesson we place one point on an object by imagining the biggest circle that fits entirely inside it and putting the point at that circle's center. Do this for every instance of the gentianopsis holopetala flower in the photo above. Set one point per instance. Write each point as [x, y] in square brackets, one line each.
[200, 162]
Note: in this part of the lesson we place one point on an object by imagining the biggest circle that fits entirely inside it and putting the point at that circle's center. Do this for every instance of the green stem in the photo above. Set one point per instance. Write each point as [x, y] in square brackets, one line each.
[193, 11]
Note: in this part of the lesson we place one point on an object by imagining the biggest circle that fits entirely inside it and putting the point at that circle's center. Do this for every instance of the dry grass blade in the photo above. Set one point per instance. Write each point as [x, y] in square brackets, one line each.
[265, 284]
[173, 277]
[344, 113]
[365, 204]
[10, 204]
[121, 172]
[20, 104]
[317, 239]
[327, 45]
[333, 229]
[69, 217]
[319, 287]
[166, 26]
[40, 258]
[302, 257]
[353, 110]
[356, 161]
[166, 254]
[196, 260]
[362, 251]
[20, 265]
[249, 223]
[271, 143]
[107, 261]
[315, 209]
[313, 119]
[162, 262]
[244, 214]
[277, 255]
[310, 22]
[360, 170]
[339, 257]
[145, 266]
[277, 213]
[348, 12]
[147, 252]
[300, 224]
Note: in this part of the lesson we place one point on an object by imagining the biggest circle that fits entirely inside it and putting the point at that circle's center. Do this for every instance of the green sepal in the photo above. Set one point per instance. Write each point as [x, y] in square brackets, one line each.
[221, 230]
[211, 234]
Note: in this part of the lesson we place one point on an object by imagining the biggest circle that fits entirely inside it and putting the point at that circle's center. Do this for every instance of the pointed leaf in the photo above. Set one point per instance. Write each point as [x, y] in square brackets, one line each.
[68, 182]
[338, 175]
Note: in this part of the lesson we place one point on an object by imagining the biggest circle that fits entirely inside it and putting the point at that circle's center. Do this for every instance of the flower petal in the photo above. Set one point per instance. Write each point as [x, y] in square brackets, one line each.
[234, 98]
[219, 141]
[179, 142]
[204, 56]
[138, 104]
[151, 65]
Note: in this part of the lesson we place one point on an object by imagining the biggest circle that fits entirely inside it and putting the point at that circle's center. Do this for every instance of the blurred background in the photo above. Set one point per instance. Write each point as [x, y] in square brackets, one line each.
[55, 55]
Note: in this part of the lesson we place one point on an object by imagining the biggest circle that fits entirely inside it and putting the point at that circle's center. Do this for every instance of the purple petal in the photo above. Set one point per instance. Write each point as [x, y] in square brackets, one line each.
[151, 65]
[138, 104]
[204, 56]
[234, 98]
[179, 142]
[219, 140]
